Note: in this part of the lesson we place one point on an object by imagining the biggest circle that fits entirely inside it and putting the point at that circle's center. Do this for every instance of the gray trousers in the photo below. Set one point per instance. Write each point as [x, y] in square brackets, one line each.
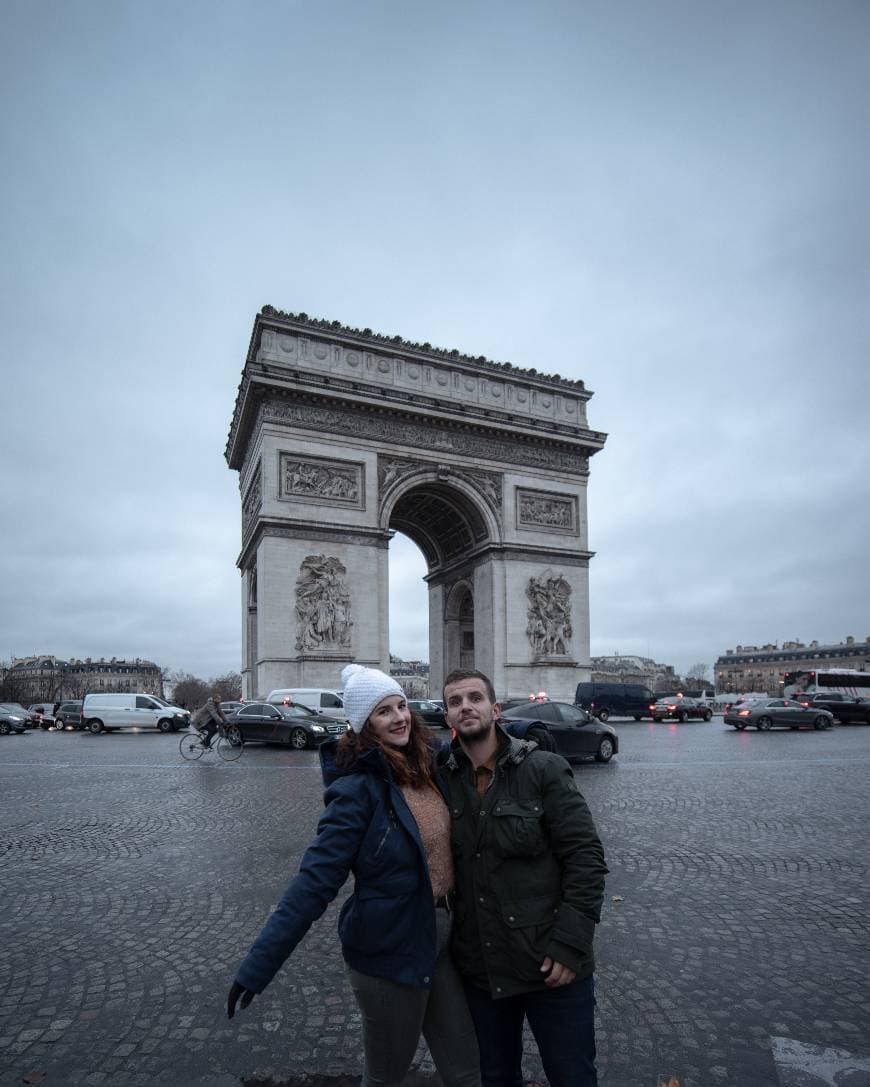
[394, 1016]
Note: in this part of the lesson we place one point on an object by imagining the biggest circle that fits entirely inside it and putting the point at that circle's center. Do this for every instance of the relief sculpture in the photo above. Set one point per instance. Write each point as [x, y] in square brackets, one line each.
[322, 604]
[302, 478]
[549, 625]
[537, 509]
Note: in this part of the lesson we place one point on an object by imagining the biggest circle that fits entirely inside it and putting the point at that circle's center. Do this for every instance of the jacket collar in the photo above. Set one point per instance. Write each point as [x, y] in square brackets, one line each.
[510, 750]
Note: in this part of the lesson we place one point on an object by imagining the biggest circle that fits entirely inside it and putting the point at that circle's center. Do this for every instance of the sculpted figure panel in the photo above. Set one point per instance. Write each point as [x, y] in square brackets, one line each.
[323, 608]
[539, 509]
[324, 480]
[549, 627]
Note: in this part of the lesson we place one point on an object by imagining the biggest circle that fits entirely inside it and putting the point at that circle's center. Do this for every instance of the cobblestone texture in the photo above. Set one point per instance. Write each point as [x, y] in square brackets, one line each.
[736, 920]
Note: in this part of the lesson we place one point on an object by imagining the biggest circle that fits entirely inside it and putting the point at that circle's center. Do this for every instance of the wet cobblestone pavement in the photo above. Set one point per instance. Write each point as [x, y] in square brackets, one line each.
[734, 946]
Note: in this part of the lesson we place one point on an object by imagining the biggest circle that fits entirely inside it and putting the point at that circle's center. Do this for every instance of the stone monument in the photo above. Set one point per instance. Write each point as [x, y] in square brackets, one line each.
[340, 438]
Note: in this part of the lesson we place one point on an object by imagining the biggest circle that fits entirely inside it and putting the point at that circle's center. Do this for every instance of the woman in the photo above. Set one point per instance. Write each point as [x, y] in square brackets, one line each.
[386, 822]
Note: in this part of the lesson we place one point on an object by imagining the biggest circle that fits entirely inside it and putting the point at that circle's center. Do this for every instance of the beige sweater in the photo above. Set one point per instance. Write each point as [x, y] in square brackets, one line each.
[433, 820]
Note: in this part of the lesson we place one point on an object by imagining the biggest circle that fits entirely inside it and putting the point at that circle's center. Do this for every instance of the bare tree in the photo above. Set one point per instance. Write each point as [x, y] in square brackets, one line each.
[229, 686]
[698, 671]
[190, 691]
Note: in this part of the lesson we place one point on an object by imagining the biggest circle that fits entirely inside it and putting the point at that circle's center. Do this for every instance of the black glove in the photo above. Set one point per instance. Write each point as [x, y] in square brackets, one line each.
[235, 992]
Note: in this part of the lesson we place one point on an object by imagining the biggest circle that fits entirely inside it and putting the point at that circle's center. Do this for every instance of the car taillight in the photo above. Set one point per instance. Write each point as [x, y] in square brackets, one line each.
[744, 713]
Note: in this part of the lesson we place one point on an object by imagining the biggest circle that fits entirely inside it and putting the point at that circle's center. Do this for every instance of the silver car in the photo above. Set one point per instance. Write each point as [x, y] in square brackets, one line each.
[766, 713]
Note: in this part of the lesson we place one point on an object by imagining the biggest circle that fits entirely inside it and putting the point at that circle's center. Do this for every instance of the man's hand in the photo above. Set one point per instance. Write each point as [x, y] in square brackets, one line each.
[233, 998]
[556, 973]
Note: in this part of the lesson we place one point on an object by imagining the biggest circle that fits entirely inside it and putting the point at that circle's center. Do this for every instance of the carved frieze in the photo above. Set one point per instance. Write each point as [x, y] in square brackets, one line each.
[323, 612]
[394, 469]
[253, 500]
[542, 509]
[421, 435]
[549, 615]
[316, 479]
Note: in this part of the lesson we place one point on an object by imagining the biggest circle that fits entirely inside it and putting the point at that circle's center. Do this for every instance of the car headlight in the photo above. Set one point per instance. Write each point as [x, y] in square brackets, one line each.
[318, 728]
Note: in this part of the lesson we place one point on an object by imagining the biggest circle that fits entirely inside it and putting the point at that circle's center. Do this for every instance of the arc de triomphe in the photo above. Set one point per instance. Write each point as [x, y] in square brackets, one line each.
[340, 437]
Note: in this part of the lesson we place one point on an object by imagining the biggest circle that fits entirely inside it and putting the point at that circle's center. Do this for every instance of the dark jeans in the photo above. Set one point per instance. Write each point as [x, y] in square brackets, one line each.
[208, 730]
[394, 1015]
[562, 1021]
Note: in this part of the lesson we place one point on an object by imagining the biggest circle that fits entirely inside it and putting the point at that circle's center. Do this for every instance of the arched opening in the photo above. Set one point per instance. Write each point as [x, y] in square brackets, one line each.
[453, 528]
[409, 600]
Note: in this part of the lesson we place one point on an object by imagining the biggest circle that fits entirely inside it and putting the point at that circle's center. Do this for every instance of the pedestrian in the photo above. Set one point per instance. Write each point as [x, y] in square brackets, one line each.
[208, 718]
[386, 821]
[529, 871]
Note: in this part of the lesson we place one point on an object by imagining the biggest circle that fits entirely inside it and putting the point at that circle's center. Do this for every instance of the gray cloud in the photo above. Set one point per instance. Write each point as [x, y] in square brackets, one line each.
[667, 201]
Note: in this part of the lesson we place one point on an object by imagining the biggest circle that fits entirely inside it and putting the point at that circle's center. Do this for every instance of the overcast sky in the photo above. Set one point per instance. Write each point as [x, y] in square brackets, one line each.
[668, 200]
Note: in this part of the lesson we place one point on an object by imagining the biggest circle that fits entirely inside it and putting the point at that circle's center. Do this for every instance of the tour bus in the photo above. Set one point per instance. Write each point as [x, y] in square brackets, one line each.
[848, 681]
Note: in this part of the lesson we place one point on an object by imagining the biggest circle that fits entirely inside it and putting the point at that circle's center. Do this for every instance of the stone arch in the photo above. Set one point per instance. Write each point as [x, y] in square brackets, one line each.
[341, 437]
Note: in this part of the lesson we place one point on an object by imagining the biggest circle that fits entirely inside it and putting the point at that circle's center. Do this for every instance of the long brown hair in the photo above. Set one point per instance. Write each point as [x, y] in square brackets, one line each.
[411, 765]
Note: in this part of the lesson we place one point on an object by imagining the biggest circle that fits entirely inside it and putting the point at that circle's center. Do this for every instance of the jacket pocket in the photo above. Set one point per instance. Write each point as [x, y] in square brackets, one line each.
[460, 830]
[529, 923]
[374, 922]
[518, 828]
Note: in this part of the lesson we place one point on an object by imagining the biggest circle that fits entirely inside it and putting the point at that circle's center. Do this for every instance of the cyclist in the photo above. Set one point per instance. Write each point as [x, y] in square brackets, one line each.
[208, 719]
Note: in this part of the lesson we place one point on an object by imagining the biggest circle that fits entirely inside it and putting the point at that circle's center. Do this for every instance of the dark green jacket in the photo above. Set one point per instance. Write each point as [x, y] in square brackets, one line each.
[529, 868]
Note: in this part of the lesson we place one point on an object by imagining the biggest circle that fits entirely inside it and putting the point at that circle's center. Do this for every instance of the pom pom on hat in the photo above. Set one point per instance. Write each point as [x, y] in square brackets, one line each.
[364, 688]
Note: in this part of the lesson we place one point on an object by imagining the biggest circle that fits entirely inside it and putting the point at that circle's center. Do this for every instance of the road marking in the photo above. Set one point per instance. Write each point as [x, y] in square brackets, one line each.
[794, 1060]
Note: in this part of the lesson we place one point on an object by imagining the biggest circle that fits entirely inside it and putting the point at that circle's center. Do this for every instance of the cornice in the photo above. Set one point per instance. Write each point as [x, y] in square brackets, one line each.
[576, 442]
[311, 532]
[501, 392]
[398, 343]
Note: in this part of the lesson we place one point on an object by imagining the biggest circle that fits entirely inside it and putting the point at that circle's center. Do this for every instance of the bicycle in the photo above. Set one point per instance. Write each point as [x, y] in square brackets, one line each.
[227, 741]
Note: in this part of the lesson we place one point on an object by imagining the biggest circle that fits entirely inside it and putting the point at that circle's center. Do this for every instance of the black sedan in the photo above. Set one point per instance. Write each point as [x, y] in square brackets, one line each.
[765, 713]
[680, 708]
[430, 713]
[561, 727]
[296, 726]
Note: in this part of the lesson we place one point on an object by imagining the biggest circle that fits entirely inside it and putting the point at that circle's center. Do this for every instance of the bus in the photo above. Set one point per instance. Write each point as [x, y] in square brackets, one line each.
[848, 681]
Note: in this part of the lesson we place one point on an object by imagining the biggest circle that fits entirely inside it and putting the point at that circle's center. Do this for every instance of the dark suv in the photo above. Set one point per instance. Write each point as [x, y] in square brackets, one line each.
[68, 713]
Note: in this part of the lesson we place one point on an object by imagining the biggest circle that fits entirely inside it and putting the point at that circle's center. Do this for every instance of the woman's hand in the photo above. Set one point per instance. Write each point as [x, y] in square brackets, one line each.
[235, 992]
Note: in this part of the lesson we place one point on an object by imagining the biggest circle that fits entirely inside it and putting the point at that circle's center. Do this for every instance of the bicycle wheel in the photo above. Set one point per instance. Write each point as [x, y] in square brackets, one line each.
[229, 746]
[190, 746]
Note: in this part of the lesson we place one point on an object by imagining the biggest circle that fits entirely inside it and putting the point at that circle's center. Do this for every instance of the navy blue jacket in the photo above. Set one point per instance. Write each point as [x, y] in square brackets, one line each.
[387, 926]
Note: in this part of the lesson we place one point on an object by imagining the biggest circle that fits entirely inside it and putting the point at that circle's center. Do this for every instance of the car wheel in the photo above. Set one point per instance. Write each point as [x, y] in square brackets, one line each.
[637, 717]
[682, 716]
[59, 726]
[763, 724]
[821, 722]
[299, 739]
[602, 715]
[164, 725]
[95, 726]
[4, 728]
[542, 738]
[740, 727]
[708, 716]
[605, 750]
[45, 725]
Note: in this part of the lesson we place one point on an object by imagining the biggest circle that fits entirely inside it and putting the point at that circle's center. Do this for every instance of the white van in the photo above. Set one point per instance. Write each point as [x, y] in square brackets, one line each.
[319, 699]
[110, 711]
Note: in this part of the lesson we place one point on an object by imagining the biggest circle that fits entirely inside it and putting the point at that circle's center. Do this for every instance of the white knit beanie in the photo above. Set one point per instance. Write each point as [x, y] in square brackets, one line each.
[363, 690]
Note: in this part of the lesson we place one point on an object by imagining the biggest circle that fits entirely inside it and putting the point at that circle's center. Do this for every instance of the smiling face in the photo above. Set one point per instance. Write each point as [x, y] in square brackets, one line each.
[469, 709]
[390, 721]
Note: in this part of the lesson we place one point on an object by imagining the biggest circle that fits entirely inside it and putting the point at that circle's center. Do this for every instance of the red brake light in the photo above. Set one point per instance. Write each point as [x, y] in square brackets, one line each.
[744, 713]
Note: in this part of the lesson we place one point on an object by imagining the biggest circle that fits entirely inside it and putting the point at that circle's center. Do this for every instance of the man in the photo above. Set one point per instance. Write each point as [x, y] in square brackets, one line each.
[529, 885]
[208, 719]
